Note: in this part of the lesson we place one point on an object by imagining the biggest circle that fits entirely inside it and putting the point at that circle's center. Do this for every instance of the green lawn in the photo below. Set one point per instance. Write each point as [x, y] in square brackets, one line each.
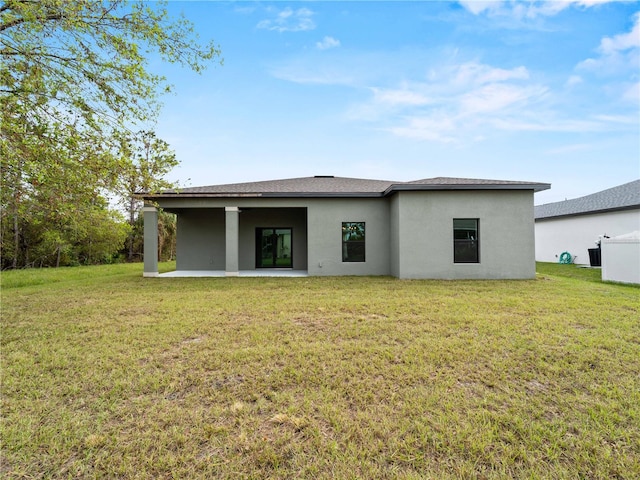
[109, 375]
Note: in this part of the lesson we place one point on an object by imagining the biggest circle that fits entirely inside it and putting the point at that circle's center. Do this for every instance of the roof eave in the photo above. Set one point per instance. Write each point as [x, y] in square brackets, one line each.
[536, 187]
[590, 212]
[264, 195]
[158, 196]
[396, 187]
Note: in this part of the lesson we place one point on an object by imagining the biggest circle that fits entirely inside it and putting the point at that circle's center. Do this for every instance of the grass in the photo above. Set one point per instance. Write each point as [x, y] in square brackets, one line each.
[570, 271]
[109, 375]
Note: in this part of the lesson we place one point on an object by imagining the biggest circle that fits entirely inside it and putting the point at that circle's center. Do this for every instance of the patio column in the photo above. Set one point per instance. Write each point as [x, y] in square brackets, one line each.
[150, 241]
[232, 241]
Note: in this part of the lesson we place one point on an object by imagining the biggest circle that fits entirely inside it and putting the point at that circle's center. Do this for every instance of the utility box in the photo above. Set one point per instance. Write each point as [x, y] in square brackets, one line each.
[621, 258]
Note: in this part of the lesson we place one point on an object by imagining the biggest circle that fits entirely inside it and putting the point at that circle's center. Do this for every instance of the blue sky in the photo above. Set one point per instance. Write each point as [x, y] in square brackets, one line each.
[535, 91]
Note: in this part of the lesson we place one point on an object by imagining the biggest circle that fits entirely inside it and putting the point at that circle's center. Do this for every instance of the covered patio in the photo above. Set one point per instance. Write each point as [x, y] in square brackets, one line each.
[217, 240]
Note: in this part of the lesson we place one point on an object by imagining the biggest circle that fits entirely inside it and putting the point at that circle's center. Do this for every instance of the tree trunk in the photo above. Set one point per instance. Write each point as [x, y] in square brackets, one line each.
[16, 216]
[16, 236]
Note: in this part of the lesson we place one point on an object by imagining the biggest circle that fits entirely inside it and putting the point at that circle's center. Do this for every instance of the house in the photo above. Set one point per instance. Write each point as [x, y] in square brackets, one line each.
[445, 228]
[579, 224]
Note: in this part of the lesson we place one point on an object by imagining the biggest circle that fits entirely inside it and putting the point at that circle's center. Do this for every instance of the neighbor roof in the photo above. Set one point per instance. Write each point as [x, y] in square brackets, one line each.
[622, 197]
[329, 186]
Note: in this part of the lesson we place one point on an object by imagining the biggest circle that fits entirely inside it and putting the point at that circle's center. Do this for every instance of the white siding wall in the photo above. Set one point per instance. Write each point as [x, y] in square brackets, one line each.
[577, 234]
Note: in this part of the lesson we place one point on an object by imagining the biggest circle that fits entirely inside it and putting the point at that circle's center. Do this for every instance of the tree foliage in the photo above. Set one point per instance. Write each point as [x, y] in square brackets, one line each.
[85, 62]
[147, 160]
[73, 77]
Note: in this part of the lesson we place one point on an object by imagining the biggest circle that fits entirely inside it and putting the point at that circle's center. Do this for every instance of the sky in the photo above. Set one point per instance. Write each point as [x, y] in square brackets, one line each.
[540, 91]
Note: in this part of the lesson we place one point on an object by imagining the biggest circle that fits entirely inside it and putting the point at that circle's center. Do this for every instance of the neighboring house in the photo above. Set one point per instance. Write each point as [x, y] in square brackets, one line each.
[577, 225]
[445, 228]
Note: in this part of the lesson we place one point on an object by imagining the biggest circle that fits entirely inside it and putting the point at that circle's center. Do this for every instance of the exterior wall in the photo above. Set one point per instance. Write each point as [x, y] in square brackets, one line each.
[325, 217]
[201, 235]
[200, 241]
[250, 219]
[409, 235]
[579, 233]
[394, 235]
[506, 234]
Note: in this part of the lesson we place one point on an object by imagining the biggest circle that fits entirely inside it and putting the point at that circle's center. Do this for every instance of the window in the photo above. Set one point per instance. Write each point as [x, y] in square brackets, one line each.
[466, 242]
[353, 241]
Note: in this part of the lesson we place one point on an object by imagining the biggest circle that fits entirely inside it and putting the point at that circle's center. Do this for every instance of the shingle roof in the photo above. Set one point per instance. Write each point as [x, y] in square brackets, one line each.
[320, 184]
[329, 186]
[622, 197]
[464, 181]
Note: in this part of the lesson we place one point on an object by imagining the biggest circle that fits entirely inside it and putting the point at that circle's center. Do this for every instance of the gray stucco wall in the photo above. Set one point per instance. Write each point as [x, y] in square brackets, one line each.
[426, 234]
[294, 218]
[200, 241]
[317, 232]
[325, 217]
[409, 235]
[201, 233]
[394, 235]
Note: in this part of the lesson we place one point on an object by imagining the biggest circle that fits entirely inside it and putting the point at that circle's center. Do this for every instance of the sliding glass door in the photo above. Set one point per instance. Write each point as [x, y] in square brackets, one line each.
[273, 248]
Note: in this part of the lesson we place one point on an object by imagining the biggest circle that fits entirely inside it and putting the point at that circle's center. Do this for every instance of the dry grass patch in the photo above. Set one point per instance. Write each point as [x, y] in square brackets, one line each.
[117, 376]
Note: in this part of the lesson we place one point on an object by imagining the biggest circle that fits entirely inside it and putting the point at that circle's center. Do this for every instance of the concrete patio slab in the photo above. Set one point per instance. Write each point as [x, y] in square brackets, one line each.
[242, 273]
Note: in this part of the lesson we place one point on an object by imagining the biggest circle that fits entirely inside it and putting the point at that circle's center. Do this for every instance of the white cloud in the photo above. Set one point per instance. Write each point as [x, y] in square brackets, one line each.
[399, 97]
[475, 73]
[450, 103]
[619, 54]
[438, 128]
[327, 43]
[617, 119]
[623, 41]
[289, 20]
[453, 101]
[497, 97]
[529, 10]
[573, 80]
[477, 7]
[547, 123]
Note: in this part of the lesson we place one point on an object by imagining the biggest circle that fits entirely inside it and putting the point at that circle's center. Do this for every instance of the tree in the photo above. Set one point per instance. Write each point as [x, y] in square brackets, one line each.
[72, 75]
[51, 178]
[147, 160]
[84, 63]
